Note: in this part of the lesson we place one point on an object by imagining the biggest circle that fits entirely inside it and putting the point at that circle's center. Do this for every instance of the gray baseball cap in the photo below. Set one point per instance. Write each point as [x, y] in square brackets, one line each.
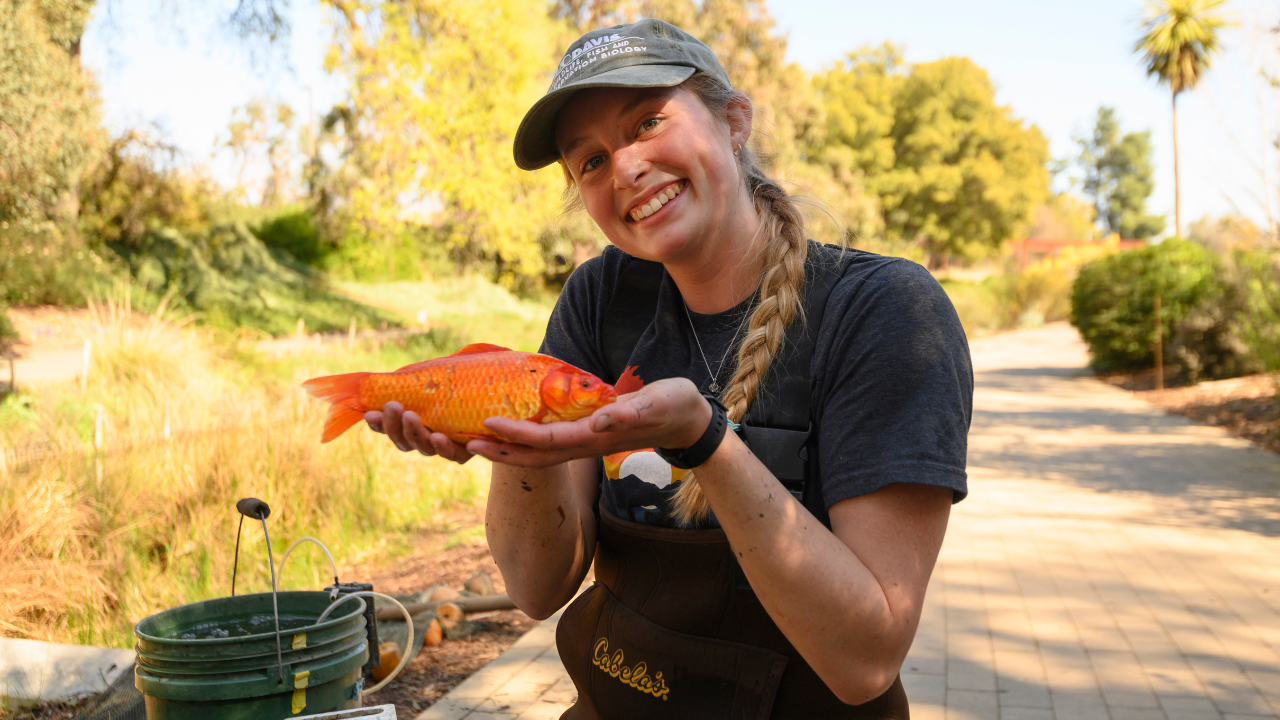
[648, 53]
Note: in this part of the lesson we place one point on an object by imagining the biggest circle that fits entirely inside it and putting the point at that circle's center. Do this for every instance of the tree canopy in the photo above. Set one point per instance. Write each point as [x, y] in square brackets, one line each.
[951, 168]
[1118, 176]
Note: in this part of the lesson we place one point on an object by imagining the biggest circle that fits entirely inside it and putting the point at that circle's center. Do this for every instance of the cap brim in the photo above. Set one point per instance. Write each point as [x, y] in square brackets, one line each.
[535, 144]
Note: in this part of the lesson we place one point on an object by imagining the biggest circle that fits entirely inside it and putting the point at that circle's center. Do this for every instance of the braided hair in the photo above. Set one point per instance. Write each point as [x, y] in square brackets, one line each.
[781, 231]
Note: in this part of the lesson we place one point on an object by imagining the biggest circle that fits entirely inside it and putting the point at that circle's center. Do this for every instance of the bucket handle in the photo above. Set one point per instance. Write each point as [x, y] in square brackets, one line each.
[407, 618]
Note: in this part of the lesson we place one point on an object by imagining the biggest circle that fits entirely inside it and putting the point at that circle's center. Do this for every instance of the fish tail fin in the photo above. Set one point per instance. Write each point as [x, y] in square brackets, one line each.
[343, 391]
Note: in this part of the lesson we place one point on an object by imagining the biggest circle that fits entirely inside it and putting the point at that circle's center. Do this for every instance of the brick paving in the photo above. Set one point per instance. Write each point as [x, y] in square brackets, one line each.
[1111, 562]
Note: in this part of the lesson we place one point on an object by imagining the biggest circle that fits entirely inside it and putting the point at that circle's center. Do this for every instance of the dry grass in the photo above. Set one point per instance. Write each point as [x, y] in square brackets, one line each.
[94, 540]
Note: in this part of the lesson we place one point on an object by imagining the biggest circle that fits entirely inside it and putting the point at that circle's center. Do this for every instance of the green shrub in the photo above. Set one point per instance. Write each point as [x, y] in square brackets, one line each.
[1256, 274]
[232, 280]
[1112, 299]
[47, 267]
[296, 232]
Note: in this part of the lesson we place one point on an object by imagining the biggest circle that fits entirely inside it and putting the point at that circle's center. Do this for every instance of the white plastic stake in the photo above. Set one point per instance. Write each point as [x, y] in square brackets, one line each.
[422, 317]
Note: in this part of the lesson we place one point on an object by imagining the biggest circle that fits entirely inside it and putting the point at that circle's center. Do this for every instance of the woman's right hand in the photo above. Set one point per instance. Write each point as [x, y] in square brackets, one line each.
[405, 429]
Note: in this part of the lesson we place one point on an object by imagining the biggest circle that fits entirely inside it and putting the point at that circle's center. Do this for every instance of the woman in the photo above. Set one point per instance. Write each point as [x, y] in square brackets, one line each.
[773, 571]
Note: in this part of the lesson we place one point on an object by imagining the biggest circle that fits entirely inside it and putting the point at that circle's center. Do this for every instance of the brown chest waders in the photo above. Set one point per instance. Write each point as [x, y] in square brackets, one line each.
[671, 628]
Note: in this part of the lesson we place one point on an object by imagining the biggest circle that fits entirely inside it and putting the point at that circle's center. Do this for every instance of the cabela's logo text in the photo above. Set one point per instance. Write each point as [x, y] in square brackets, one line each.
[637, 676]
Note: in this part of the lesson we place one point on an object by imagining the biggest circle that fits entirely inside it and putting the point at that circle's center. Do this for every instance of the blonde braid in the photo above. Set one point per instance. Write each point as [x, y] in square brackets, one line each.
[785, 250]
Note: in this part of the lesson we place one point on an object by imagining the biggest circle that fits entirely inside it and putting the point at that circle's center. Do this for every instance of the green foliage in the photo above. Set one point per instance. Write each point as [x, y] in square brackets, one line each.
[409, 158]
[49, 114]
[232, 279]
[1118, 176]
[1112, 300]
[952, 170]
[134, 187]
[296, 232]
[45, 266]
[1235, 330]
[8, 335]
[1016, 300]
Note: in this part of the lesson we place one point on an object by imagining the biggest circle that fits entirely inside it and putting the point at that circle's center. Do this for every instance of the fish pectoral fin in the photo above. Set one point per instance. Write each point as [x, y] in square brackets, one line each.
[628, 382]
[540, 415]
[475, 348]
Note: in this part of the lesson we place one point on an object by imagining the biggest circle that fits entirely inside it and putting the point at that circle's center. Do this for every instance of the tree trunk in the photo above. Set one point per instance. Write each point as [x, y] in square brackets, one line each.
[1177, 206]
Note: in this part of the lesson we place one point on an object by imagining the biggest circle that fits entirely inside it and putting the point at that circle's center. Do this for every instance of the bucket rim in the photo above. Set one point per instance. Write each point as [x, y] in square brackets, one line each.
[337, 618]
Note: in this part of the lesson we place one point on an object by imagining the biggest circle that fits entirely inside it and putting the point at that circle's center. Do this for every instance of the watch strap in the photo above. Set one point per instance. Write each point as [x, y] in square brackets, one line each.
[698, 453]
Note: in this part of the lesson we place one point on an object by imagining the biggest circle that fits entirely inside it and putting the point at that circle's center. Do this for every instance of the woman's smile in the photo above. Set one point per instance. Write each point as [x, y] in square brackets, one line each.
[655, 204]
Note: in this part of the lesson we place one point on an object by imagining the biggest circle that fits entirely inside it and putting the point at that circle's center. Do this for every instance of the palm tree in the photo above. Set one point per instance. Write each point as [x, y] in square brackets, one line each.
[1179, 38]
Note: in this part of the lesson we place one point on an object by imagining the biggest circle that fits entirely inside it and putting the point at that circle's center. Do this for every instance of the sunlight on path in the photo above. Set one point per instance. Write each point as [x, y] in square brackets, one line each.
[1110, 562]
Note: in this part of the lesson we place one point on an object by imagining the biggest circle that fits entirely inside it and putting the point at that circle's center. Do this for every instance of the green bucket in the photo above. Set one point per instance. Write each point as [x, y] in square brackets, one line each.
[216, 660]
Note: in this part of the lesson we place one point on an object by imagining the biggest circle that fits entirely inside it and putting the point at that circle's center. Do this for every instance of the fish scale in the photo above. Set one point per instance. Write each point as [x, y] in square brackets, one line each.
[455, 394]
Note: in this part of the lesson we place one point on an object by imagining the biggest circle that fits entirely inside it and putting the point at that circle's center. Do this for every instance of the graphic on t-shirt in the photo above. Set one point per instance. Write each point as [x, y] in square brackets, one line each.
[638, 485]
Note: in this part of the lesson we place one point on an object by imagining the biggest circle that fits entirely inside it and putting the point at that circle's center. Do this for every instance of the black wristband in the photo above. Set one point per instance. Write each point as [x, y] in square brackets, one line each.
[697, 453]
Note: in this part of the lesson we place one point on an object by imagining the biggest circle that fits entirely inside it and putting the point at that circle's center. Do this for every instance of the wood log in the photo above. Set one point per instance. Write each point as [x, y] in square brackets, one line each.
[467, 604]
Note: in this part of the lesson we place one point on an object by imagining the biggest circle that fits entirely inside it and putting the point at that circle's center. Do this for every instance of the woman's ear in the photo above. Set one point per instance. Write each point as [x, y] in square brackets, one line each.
[738, 113]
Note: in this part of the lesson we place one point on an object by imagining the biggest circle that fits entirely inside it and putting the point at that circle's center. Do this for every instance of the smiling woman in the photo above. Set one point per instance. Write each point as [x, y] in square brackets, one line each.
[761, 550]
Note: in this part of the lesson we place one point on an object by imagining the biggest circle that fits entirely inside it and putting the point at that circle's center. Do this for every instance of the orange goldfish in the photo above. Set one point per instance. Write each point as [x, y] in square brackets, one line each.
[454, 394]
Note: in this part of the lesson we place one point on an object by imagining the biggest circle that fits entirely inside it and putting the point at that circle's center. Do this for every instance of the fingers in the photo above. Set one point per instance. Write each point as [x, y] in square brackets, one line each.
[406, 432]
[521, 455]
[449, 450]
[393, 426]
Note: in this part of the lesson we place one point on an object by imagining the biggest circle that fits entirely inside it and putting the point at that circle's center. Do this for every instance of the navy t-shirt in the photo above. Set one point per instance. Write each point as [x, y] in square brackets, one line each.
[892, 383]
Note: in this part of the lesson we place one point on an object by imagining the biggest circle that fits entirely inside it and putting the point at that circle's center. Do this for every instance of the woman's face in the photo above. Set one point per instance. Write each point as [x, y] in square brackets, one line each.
[655, 170]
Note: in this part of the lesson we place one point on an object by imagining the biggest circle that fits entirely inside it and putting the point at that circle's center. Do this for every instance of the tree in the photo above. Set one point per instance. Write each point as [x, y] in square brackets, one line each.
[1118, 177]
[48, 111]
[952, 170]
[261, 134]
[1062, 217]
[437, 90]
[1179, 40]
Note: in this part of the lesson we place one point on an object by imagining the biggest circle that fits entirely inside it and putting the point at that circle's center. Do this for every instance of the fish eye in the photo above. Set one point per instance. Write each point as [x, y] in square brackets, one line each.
[585, 384]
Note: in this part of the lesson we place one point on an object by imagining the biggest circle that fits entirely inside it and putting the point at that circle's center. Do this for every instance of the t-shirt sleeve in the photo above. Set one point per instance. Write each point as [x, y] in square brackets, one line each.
[574, 323]
[895, 388]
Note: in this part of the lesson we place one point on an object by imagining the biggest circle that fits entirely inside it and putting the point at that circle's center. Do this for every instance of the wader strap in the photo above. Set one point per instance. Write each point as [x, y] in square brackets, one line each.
[778, 427]
[631, 311]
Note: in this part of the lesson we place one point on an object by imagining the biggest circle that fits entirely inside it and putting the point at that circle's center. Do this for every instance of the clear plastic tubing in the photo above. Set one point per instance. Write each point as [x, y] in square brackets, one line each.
[328, 554]
[407, 618]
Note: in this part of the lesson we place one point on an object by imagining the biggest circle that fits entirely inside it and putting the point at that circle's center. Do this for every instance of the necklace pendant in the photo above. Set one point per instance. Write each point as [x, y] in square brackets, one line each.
[715, 387]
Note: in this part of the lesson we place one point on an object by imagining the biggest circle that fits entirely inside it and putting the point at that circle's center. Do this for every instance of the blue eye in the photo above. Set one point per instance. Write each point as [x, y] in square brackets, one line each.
[592, 163]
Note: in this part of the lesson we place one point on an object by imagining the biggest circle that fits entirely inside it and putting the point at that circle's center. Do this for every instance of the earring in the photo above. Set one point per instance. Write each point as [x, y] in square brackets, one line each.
[735, 150]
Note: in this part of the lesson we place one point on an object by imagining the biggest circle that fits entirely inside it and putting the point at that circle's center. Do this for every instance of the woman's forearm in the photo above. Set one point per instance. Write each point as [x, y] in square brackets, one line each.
[852, 627]
[540, 525]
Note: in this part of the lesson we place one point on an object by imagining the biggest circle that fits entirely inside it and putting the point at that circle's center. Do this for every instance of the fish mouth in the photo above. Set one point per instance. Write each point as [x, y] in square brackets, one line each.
[655, 202]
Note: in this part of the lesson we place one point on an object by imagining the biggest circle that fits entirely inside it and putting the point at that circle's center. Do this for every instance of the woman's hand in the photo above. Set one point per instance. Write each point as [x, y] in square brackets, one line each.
[668, 413]
[405, 429]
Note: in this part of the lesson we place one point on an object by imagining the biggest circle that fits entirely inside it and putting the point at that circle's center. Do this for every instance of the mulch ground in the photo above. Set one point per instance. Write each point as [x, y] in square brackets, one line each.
[436, 670]
[1247, 407]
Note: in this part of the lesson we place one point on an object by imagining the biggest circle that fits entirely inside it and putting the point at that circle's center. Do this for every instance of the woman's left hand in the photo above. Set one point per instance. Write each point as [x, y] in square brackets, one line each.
[667, 413]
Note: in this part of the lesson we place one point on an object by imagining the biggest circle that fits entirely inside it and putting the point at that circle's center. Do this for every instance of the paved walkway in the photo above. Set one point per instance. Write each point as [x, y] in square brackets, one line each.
[1111, 562]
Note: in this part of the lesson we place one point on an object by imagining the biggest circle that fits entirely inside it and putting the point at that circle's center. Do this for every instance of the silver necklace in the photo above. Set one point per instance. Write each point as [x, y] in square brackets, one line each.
[715, 385]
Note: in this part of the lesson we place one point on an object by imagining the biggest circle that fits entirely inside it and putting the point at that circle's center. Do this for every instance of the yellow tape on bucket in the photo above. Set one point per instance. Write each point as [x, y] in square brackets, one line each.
[300, 691]
[299, 641]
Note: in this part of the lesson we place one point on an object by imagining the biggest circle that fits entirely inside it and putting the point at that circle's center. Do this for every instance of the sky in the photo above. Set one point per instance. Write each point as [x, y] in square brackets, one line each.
[1053, 63]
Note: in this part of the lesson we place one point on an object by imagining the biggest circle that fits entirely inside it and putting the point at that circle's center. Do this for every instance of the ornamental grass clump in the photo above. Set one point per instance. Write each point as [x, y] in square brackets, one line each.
[130, 508]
